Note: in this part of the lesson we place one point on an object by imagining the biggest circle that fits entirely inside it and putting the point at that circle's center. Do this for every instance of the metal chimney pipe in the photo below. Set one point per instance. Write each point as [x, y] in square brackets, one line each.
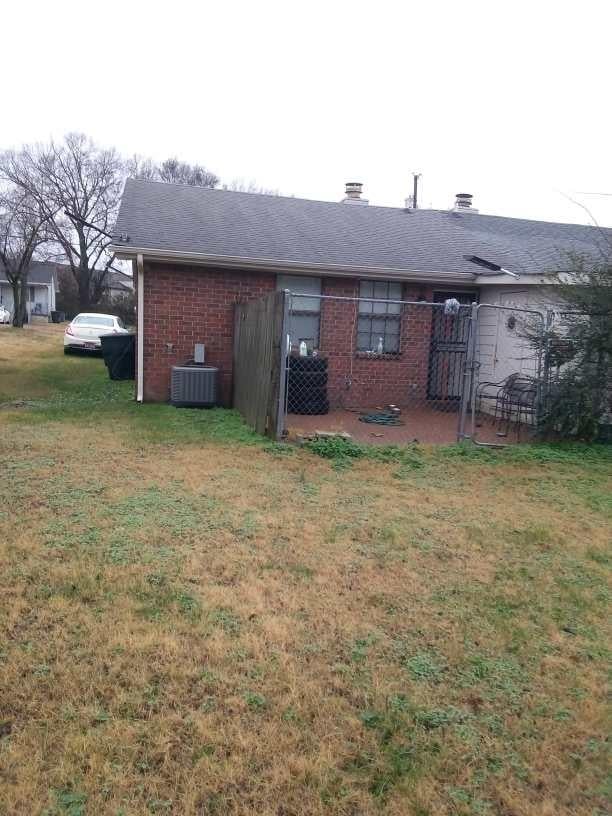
[463, 200]
[353, 190]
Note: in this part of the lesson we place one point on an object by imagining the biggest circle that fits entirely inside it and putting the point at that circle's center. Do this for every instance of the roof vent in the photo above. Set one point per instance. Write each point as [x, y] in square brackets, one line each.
[463, 203]
[353, 190]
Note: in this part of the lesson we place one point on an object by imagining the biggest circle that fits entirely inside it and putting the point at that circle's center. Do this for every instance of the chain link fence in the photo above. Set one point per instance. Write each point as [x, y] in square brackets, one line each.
[361, 365]
[406, 370]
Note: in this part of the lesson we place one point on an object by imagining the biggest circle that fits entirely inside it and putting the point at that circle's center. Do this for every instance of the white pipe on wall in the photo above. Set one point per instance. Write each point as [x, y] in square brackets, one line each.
[140, 327]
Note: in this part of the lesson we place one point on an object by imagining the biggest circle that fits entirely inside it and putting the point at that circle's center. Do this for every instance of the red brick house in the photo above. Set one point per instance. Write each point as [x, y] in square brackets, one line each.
[197, 252]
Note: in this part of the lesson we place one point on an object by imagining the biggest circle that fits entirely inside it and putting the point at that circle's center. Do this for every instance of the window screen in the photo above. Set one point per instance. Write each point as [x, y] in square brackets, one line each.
[379, 323]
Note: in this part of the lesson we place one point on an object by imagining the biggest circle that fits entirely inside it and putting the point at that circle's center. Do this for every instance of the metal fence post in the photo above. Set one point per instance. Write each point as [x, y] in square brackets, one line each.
[282, 388]
[468, 375]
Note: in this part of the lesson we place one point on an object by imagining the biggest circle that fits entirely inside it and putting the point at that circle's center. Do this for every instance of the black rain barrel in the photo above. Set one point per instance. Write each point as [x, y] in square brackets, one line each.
[307, 385]
[119, 352]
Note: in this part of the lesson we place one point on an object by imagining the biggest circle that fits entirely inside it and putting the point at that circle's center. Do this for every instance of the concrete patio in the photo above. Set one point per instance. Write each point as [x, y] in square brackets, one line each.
[422, 425]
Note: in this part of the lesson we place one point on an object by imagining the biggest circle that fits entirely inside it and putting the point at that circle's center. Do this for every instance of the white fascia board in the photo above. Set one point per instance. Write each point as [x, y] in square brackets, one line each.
[506, 280]
[273, 265]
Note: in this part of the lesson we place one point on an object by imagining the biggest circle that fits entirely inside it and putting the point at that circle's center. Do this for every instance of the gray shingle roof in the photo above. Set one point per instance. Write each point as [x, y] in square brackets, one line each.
[40, 272]
[119, 281]
[177, 218]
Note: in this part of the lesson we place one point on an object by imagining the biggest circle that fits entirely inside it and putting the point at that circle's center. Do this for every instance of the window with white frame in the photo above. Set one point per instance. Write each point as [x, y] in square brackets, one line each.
[305, 311]
[379, 323]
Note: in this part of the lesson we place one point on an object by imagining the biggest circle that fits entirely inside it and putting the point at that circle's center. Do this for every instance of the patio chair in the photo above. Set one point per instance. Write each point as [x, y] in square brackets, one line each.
[519, 402]
[495, 391]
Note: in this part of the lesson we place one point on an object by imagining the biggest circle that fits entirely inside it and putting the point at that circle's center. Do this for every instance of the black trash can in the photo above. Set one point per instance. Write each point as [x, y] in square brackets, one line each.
[57, 316]
[119, 352]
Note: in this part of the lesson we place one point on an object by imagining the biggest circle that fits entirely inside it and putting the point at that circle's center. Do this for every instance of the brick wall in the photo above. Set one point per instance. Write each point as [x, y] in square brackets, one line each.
[356, 381]
[185, 305]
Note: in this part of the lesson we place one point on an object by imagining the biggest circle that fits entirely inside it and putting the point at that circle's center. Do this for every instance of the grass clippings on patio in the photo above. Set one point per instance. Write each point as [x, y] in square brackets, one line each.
[196, 621]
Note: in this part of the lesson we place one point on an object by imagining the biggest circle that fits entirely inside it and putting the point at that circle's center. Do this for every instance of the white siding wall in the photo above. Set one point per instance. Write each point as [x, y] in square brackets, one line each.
[41, 299]
[6, 296]
[501, 349]
[41, 296]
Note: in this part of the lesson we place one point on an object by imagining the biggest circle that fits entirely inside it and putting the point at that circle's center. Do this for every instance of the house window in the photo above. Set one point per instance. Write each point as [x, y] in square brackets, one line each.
[305, 312]
[379, 323]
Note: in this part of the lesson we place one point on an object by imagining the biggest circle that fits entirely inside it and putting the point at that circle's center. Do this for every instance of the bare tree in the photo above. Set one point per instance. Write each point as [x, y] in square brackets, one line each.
[173, 171]
[77, 186]
[240, 185]
[22, 231]
[179, 172]
[140, 168]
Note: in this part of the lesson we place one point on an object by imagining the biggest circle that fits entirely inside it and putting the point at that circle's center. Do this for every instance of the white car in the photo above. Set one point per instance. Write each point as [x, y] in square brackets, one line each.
[5, 315]
[86, 329]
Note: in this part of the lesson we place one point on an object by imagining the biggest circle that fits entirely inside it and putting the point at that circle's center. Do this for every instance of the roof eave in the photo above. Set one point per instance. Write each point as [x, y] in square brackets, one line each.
[30, 283]
[268, 264]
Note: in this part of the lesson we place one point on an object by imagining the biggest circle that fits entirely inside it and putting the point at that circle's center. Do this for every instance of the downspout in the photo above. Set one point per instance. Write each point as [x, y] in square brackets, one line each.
[140, 327]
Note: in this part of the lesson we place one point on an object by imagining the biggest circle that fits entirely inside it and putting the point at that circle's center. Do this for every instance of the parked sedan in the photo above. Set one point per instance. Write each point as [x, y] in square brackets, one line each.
[85, 330]
[5, 315]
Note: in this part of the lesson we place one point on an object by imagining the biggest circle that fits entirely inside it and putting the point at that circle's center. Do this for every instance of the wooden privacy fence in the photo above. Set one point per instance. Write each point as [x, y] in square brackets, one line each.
[259, 363]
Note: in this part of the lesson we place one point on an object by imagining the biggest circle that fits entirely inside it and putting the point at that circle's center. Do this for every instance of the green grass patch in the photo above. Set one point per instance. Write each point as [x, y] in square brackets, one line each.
[425, 666]
[550, 453]
[67, 803]
[342, 452]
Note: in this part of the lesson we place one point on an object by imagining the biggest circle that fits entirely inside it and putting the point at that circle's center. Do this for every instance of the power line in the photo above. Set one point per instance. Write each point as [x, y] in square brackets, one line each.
[582, 192]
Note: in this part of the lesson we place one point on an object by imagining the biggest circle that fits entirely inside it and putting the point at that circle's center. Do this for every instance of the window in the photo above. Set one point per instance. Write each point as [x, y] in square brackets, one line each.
[305, 315]
[379, 324]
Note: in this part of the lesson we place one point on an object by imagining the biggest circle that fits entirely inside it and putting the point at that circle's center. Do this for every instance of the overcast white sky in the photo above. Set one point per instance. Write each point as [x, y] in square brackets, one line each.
[507, 100]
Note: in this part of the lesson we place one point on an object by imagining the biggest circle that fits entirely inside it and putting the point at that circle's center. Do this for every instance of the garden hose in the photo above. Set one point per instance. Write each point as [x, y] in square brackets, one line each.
[382, 418]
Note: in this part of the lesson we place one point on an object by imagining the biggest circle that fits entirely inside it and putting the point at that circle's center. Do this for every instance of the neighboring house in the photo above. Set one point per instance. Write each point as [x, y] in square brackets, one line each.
[42, 289]
[44, 285]
[119, 284]
[198, 251]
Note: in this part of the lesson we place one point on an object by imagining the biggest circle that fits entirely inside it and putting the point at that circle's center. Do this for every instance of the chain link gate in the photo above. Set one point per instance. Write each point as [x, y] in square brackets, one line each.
[505, 376]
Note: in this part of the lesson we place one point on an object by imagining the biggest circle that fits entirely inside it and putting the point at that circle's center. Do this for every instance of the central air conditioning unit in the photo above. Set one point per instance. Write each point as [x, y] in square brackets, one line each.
[194, 386]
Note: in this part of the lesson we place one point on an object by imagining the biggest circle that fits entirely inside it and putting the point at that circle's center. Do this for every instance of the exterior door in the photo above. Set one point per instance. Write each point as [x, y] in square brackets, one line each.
[513, 352]
[448, 347]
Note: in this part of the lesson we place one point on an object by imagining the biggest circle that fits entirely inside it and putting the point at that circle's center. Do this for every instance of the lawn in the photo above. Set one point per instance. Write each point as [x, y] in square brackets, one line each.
[196, 621]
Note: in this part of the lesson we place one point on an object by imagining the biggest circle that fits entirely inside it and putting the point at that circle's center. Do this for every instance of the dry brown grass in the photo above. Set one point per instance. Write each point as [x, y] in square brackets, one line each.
[193, 627]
